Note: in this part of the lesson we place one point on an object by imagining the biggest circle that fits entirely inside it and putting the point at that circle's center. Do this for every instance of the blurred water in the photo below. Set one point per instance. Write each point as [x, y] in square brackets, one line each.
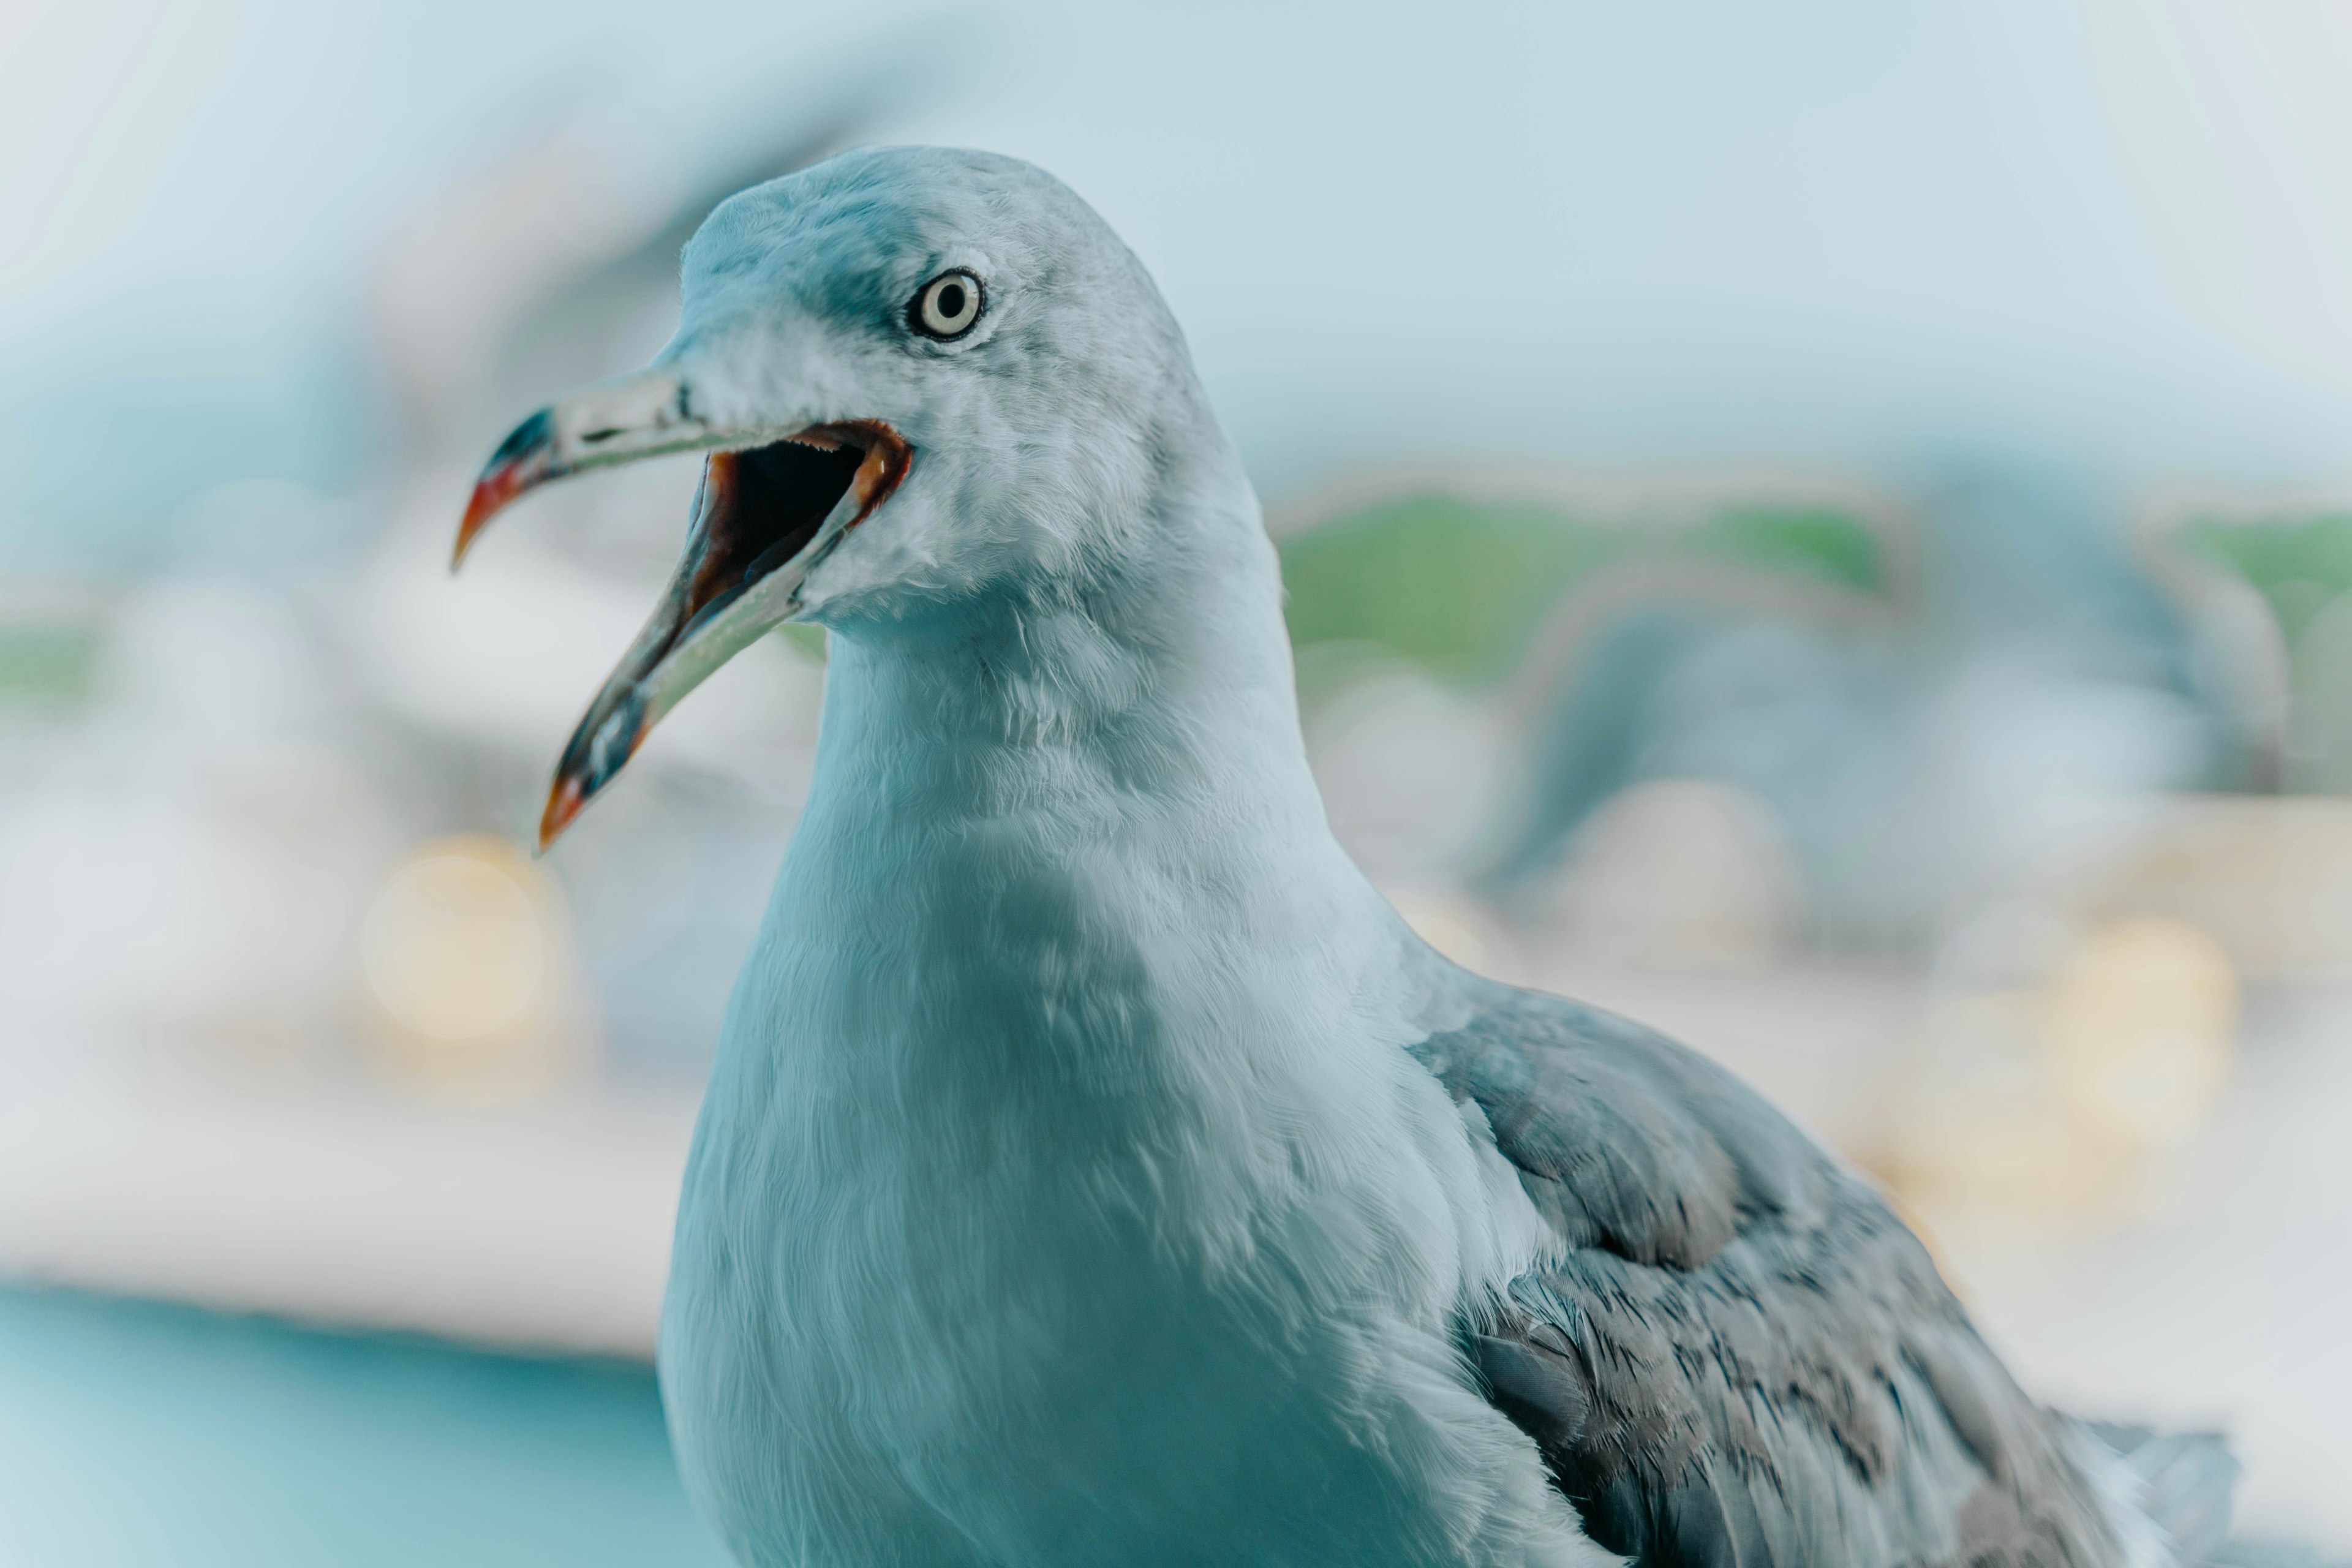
[135, 1436]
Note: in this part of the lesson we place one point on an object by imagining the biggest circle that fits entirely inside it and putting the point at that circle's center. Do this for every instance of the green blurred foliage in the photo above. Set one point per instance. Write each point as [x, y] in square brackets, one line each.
[2301, 563]
[2298, 564]
[1462, 587]
[47, 662]
[1455, 585]
[1831, 547]
[806, 640]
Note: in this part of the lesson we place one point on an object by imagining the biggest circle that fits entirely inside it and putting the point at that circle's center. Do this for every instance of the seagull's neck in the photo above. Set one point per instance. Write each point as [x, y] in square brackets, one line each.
[1157, 692]
[1037, 817]
[1168, 694]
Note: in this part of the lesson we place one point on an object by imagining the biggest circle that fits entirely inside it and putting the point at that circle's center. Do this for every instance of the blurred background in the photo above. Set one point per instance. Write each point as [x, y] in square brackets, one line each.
[1825, 526]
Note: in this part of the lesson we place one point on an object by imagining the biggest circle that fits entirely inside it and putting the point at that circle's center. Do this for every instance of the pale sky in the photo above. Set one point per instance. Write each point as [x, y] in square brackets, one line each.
[1845, 234]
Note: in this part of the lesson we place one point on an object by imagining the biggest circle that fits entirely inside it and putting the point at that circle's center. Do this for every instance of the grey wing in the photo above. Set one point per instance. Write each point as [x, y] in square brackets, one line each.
[1740, 1356]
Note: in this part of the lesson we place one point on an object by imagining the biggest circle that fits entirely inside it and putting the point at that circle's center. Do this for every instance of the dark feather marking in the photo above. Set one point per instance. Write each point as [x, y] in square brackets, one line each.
[1742, 1358]
[1541, 1389]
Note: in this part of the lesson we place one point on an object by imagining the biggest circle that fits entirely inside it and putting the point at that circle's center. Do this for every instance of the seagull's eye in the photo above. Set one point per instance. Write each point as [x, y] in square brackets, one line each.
[947, 306]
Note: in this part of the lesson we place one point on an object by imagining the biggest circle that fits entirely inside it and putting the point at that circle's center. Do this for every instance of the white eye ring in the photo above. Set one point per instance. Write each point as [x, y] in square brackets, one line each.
[948, 305]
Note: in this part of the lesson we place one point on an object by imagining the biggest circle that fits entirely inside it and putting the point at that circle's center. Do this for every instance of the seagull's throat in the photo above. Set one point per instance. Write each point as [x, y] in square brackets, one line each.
[760, 509]
[763, 509]
[1133, 692]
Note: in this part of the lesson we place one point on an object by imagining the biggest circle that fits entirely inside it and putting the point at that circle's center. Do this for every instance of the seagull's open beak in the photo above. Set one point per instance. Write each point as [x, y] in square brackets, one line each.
[771, 506]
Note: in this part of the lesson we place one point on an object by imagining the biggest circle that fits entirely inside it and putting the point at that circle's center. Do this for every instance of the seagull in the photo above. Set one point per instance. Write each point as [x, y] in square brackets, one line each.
[1095, 1169]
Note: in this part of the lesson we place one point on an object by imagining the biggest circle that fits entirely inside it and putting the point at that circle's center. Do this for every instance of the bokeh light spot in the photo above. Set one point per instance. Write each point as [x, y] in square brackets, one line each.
[455, 948]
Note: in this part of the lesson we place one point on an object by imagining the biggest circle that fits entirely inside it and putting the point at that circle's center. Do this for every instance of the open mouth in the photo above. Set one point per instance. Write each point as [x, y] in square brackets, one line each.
[766, 517]
[763, 508]
[764, 520]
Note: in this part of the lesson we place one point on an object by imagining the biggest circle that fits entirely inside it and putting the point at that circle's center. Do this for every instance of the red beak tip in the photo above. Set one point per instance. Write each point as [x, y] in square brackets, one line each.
[492, 492]
[564, 804]
[467, 531]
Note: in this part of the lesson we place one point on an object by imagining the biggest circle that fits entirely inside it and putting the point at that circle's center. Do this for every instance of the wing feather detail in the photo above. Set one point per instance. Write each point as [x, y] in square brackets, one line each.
[1739, 1357]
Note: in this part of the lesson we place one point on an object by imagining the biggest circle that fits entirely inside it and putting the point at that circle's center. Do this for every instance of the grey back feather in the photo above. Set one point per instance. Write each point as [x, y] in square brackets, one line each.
[1741, 1357]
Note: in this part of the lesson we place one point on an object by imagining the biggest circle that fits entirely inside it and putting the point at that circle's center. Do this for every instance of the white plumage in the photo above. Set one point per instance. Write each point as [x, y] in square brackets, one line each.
[1095, 1169]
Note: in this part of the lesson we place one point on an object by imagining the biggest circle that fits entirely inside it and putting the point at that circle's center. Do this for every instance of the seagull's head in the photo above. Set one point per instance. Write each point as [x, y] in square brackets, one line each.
[923, 377]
